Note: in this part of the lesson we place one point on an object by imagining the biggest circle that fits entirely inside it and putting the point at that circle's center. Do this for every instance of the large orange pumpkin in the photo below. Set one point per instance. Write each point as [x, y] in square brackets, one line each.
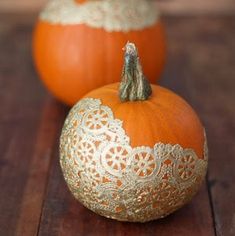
[133, 151]
[76, 44]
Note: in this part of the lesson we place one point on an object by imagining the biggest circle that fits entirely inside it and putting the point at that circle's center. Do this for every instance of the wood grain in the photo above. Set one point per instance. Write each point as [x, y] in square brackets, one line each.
[34, 199]
[34, 189]
[18, 121]
[29, 119]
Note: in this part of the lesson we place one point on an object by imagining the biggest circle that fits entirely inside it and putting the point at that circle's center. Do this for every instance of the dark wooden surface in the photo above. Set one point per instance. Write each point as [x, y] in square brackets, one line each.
[34, 199]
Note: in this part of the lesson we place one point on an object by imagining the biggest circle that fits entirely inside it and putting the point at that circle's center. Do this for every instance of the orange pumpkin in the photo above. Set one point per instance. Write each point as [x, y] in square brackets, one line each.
[76, 44]
[133, 151]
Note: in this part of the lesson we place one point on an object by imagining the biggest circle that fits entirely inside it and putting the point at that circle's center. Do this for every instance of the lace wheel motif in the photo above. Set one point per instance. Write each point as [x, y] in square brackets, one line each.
[144, 163]
[96, 120]
[114, 158]
[85, 152]
[115, 180]
[112, 15]
[186, 165]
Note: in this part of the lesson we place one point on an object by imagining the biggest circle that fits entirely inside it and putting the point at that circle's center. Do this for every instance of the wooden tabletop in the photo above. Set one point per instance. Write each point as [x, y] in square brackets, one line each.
[34, 199]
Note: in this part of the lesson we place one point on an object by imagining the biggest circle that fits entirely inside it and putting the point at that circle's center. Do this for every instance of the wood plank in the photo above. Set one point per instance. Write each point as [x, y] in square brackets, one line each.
[206, 69]
[34, 188]
[63, 215]
[28, 123]
[18, 123]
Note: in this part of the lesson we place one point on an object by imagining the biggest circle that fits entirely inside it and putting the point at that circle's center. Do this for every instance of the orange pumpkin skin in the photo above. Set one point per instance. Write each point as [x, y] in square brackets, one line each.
[74, 59]
[164, 117]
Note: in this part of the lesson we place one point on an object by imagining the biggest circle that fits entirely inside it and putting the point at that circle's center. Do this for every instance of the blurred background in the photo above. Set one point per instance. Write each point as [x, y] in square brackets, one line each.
[200, 67]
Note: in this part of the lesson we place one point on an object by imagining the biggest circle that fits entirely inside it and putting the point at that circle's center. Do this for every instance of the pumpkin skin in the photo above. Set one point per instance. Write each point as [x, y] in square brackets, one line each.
[165, 127]
[74, 59]
[174, 120]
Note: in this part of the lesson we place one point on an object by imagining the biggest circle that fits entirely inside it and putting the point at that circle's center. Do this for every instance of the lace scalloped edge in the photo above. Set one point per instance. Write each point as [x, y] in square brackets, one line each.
[111, 15]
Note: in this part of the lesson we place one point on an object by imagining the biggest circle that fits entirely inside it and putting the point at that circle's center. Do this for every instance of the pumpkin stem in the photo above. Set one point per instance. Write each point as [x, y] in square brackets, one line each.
[134, 86]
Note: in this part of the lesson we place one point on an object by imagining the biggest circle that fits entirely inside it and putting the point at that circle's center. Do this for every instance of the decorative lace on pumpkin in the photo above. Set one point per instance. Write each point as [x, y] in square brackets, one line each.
[115, 180]
[112, 15]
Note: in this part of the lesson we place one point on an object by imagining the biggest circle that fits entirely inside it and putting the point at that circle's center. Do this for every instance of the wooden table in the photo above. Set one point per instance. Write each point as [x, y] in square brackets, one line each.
[33, 196]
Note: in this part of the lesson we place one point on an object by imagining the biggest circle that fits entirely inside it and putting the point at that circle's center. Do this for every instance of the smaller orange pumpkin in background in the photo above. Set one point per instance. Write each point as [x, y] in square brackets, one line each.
[76, 44]
[133, 151]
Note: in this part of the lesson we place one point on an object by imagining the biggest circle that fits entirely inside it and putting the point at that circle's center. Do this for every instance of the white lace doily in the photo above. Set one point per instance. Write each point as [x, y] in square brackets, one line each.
[115, 180]
[112, 15]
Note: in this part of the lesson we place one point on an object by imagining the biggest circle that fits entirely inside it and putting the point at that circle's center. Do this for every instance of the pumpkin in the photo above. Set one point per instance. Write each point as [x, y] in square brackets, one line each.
[76, 44]
[133, 151]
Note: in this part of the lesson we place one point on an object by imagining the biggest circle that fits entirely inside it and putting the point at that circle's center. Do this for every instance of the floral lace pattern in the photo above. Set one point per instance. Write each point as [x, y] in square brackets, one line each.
[115, 180]
[112, 15]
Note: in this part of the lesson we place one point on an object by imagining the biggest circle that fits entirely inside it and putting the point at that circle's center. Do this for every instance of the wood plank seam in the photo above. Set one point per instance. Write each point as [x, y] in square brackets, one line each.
[211, 203]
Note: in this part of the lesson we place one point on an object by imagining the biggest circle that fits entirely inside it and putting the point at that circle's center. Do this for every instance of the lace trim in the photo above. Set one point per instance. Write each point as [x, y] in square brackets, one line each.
[115, 180]
[112, 15]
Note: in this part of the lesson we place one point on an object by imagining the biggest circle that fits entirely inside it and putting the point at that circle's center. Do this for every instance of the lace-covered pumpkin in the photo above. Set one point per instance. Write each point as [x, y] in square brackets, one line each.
[135, 158]
[77, 46]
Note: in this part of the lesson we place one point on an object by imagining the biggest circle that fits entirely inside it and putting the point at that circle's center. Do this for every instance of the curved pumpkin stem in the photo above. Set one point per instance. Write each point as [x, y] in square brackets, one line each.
[134, 86]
